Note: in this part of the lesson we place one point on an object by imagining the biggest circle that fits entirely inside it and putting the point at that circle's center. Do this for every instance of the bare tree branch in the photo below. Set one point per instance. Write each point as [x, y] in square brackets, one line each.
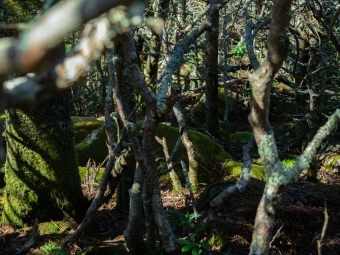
[33, 89]
[98, 199]
[261, 81]
[30, 53]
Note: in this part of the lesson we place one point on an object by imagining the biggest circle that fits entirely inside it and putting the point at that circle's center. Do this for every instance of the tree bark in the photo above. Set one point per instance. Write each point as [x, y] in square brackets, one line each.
[41, 170]
[211, 75]
[126, 90]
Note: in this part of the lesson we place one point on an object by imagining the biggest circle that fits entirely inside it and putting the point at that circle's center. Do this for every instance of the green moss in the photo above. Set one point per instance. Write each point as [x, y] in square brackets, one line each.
[83, 126]
[288, 162]
[1, 199]
[234, 168]
[54, 227]
[208, 153]
[240, 137]
[93, 146]
[82, 173]
[41, 176]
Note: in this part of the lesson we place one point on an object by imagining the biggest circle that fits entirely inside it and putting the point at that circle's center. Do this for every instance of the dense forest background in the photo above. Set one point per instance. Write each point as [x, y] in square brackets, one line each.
[169, 127]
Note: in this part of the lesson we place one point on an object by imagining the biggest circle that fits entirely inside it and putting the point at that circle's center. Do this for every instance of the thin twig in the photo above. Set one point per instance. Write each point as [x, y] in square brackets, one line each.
[324, 228]
[276, 234]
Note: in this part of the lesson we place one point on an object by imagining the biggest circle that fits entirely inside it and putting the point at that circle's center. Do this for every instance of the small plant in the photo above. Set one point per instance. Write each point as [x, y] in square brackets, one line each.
[178, 218]
[53, 248]
[240, 50]
[192, 244]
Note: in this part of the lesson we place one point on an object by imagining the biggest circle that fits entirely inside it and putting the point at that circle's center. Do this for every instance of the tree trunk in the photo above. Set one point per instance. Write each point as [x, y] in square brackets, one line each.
[211, 75]
[126, 89]
[41, 170]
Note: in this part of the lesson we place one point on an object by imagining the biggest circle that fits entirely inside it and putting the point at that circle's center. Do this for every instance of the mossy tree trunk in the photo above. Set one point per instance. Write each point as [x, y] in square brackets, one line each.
[211, 75]
[41, 170]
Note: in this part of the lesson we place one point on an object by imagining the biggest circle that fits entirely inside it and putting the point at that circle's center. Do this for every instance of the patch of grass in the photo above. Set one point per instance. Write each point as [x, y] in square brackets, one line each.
[82, 172]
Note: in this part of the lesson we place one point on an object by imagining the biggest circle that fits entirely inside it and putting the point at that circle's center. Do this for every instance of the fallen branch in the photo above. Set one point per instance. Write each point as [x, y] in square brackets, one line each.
[239, 187]
[323, 233]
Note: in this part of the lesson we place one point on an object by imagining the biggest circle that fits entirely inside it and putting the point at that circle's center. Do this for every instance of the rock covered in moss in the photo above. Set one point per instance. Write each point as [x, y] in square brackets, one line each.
[234, 168]
[240, 137]
[93, 146]
[83, 126]
[209, 154]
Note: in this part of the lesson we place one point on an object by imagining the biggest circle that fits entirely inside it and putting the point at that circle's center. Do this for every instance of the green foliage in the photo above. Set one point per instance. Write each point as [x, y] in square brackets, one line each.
[53, 248]
[180, 219]
[240, 50]
[21, 11]
[192, 244]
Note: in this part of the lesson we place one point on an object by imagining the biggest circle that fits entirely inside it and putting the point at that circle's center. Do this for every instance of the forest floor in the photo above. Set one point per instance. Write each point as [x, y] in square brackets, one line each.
[299, 223]
[299, 220]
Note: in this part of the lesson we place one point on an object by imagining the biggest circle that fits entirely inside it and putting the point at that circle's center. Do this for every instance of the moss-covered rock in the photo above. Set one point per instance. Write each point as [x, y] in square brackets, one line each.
[93, 146]
[83, 126]
[240, 138]
[234, 168]
[208, 153]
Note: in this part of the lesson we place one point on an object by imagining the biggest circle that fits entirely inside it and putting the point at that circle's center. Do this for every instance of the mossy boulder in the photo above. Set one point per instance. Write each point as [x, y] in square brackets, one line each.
[83, 126]
[234, 168]
[93, 146]
[209, 154]
[240, 138]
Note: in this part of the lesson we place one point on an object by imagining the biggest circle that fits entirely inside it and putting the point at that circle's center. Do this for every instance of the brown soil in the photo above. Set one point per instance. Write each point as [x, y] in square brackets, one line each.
[300, 219]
